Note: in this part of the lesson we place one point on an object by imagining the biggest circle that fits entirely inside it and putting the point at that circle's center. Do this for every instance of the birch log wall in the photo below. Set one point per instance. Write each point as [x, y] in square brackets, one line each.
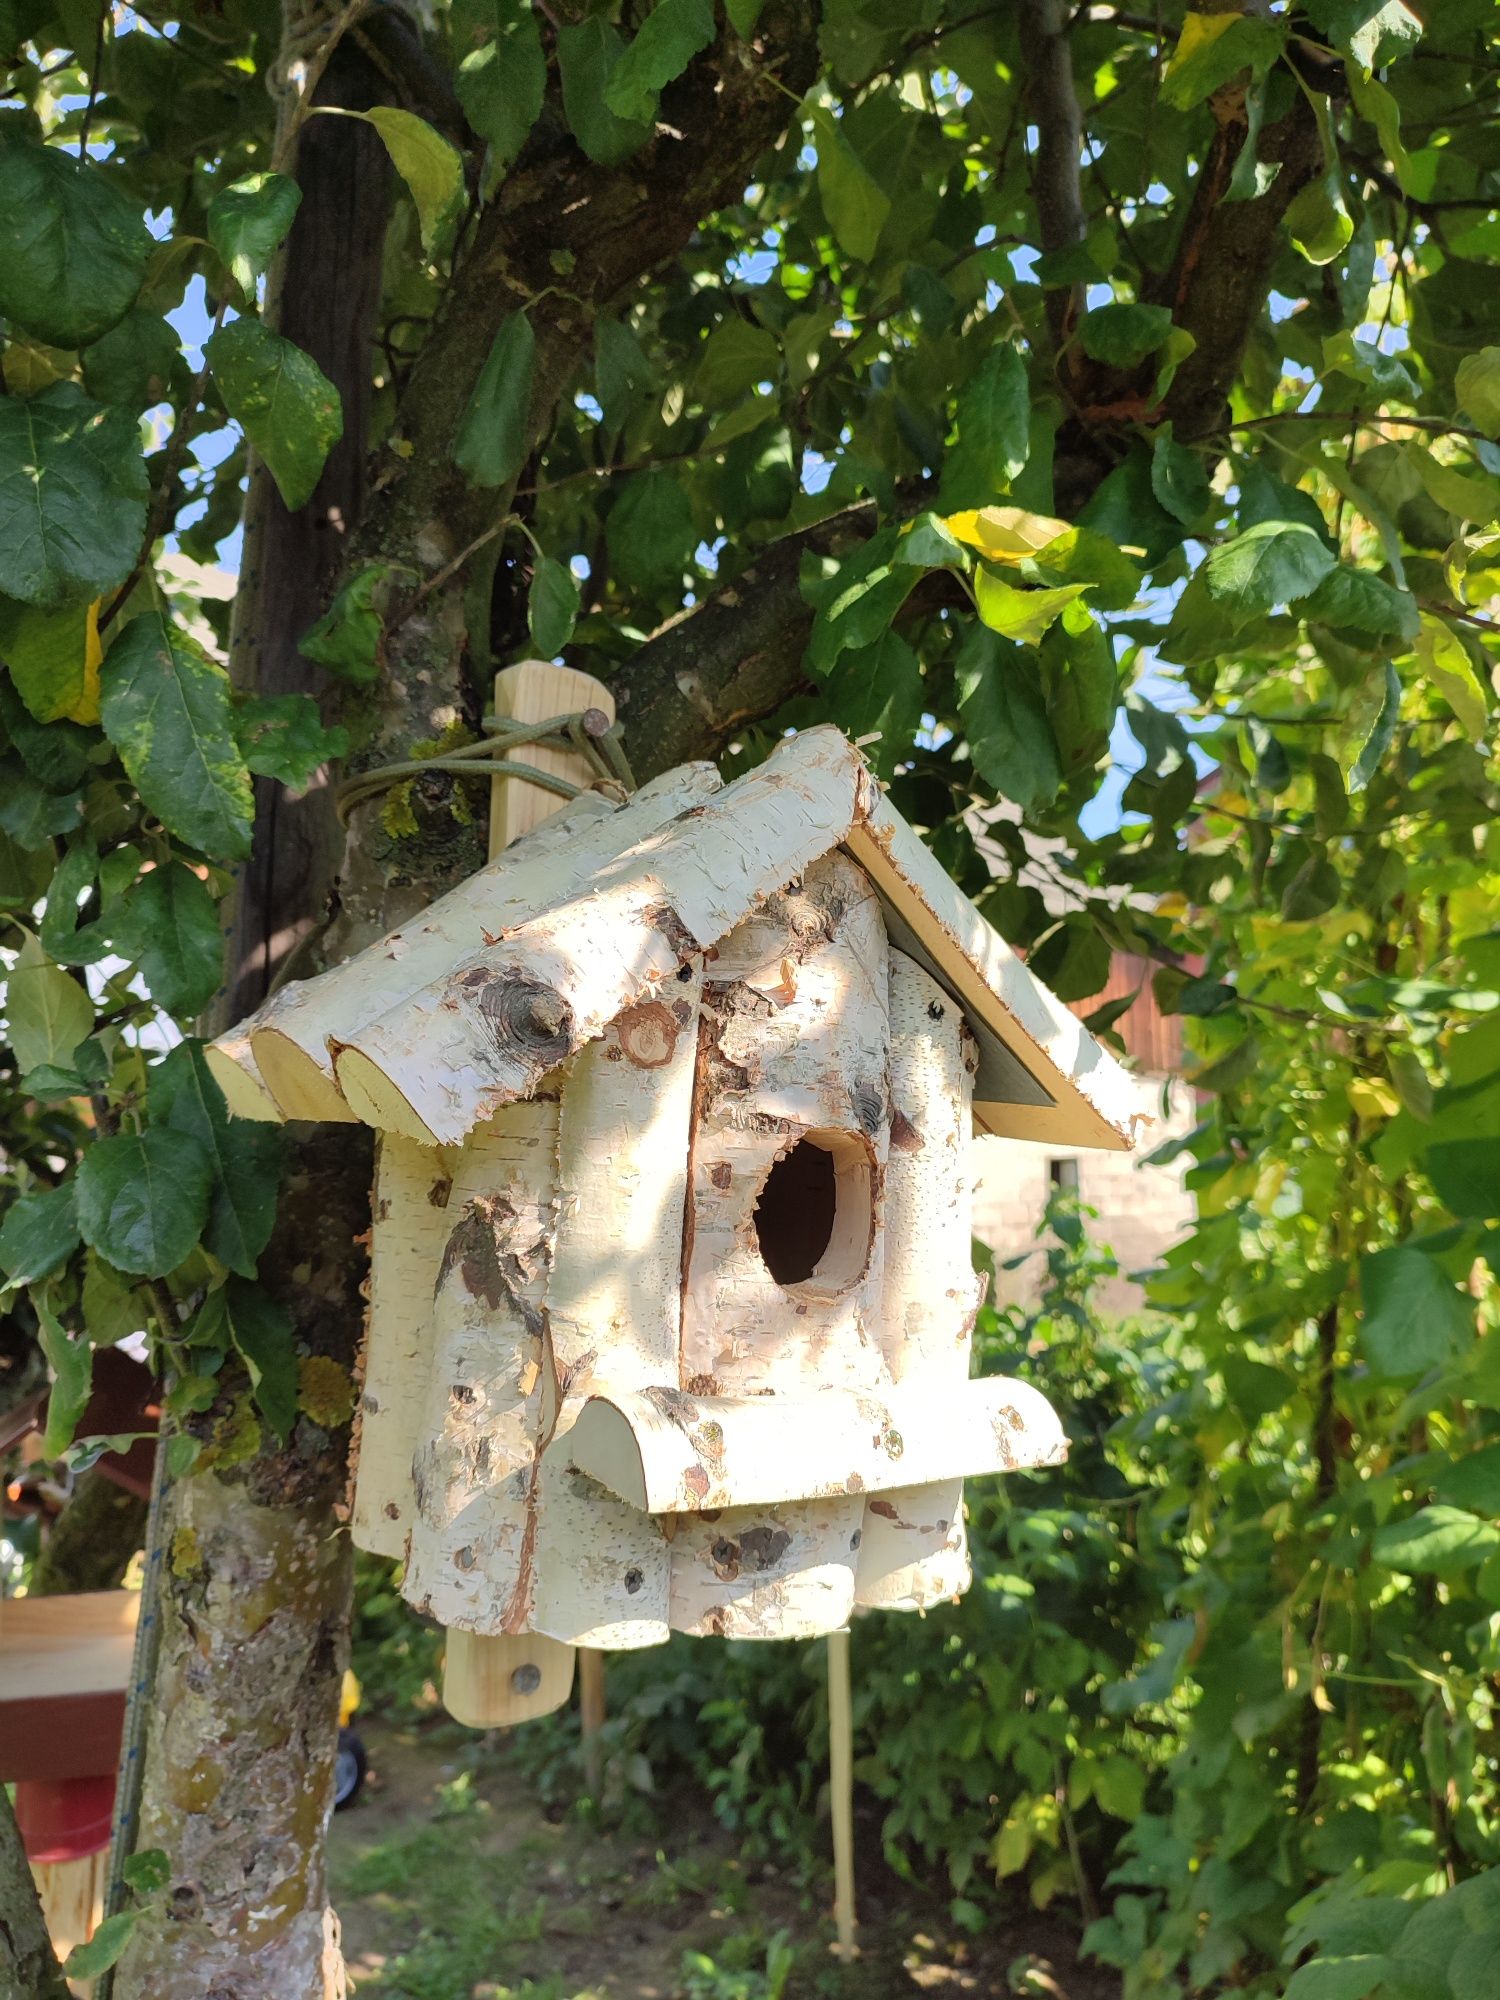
[671, 1291]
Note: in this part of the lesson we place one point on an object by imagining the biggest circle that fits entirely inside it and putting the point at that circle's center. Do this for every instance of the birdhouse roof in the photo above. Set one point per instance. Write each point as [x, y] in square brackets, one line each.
[436, 1026]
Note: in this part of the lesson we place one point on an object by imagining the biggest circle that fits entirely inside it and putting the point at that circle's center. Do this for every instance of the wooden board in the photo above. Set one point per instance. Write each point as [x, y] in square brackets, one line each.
[65, 1664]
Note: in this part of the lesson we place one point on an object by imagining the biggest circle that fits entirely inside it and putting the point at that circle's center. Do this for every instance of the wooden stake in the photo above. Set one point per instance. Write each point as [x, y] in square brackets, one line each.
[511, 1677]
[591, 1716]
[841, 1792]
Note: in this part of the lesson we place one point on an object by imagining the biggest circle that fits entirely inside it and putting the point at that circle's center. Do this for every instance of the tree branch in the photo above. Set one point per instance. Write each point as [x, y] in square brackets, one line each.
[1056, 177]
[734, 660]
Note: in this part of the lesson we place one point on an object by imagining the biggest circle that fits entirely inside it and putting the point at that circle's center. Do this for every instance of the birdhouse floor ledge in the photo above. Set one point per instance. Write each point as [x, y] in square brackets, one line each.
[668, 1453]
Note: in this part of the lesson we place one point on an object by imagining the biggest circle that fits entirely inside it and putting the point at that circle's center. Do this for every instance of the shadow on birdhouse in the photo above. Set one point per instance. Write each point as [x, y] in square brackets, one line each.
[671, 1291]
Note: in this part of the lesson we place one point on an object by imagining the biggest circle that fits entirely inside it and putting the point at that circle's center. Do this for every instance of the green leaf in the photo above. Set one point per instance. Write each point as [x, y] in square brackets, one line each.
[165, 707]
[501, 84]
[39, 1234]
[1472, 1482]
[1446, 663]
[431, 166]
[72, 497]
[347, 639]
[143, 1199]
[1179, 479]
[1318, 221]
[104, 1948]
[148, 1871]
[287, 406]
[1359, 599]
[169, 924]
[878, 688]
[668, 39]
[994, 432]
[493, 434]
[262, 1334]
[134, 362]
[72, 878]
[1435, 1541]
[72, 1365]
[73, 247]
[1121, 334]
[651, 534]
[855, 605]
[1083, 557]
[245, 1156]
[282, 736]
[111, 1311]
[1476, 384]
[621, 371]
[48, 1013]
[930, 543]
[1022, 615]
[1415, 1319]
[53, 658]
[736, 355]
[853, 200]
[1466, 1175]
[587, 54]
[247, 222]
[552, 606]
[1213, 48]
[1005, 720]
[1338, 1978]
[1275, 562]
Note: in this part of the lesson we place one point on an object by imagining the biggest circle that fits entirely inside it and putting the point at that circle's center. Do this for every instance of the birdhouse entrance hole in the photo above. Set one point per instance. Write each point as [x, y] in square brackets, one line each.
[815, 1218]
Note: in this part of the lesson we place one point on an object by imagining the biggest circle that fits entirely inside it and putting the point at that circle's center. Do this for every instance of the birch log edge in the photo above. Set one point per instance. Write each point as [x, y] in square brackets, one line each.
[914, 1551]
[487, 1680]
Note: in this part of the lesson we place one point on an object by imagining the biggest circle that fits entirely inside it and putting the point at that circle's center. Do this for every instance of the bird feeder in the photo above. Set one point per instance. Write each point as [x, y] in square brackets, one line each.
[671, 1296]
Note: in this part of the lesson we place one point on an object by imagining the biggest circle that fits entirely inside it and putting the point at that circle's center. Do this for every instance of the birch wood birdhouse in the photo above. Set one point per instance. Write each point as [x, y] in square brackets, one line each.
[671, 1291]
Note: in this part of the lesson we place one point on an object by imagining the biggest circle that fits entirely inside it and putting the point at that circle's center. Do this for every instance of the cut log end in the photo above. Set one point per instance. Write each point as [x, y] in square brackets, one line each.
[232, 1067]
[299, 1086]
[374, 1098]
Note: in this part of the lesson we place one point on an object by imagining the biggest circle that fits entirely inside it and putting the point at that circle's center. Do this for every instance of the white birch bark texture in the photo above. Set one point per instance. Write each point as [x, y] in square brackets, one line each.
[410, 1225]
[602, 1569]
[673, 1453]
[914, 1550]
[766, 1572]
[501, 1018]
[794, 1052]
[291, 1031]
[492, 1395]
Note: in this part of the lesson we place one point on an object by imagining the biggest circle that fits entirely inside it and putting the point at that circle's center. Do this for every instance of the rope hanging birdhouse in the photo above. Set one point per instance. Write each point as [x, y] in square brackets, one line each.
[671, 1291]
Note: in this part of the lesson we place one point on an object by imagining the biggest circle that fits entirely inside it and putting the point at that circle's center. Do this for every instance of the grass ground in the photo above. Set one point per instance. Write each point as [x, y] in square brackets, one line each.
[454, 1880]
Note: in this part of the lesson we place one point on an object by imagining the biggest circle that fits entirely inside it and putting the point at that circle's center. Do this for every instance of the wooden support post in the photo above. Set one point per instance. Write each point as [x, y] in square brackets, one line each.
[841, 1791]
[591, 1716]
[512, 1677]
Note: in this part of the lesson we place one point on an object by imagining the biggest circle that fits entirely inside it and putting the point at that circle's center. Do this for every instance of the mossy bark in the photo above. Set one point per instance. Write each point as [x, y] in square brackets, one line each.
[92, 1541]
[28, 1964]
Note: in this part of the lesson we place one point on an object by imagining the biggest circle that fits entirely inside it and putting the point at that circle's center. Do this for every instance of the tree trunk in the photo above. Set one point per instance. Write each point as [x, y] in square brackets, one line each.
[28, 1964]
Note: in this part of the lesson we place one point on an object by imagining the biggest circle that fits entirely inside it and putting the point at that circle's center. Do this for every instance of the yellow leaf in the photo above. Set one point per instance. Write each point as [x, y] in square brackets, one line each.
[86, 707]
[1005, 534]
[1373, 1099]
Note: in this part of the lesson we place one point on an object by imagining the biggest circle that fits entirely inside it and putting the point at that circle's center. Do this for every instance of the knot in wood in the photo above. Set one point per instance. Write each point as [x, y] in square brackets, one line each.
[528, 1017]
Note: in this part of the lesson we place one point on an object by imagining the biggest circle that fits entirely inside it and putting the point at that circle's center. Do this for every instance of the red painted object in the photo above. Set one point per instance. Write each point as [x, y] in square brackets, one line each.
[64, 1819]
